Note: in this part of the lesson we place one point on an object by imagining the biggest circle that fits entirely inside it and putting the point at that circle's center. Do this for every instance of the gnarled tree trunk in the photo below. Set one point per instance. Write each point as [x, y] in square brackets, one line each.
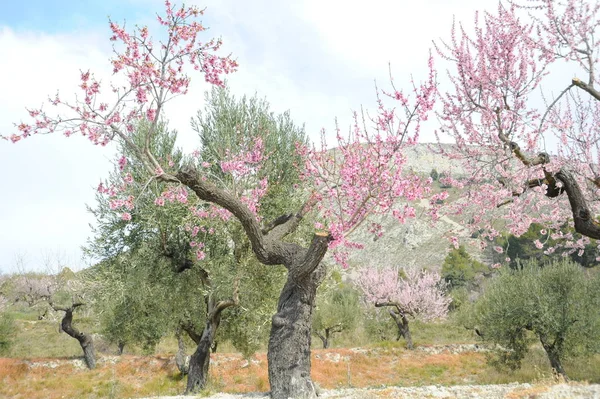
[553, 352]
[403, 330]
[181, 359]
[200, 360]
[289, 342]
[85, 340]
[399, 316]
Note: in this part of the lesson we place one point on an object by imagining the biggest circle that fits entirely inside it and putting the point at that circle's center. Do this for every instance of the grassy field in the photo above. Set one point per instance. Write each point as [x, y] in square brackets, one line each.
[138, 376]
[44, 365]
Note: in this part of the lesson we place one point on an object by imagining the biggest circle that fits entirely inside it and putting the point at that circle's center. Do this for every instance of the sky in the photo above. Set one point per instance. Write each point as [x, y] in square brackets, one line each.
[319, 59]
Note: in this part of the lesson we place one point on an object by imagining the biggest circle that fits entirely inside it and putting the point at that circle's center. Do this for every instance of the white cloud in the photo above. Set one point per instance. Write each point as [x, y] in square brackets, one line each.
[316, 58]
[47, 180]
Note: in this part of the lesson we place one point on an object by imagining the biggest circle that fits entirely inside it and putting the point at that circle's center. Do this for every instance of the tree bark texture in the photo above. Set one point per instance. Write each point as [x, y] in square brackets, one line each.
[290, 339]
[200, 360]
[181, 359]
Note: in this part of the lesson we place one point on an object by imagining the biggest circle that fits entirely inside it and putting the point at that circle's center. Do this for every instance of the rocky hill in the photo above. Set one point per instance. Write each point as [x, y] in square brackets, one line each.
[417, 243]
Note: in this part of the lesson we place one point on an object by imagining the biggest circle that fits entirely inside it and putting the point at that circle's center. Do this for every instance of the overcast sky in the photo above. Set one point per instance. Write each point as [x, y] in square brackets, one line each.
[316, 58]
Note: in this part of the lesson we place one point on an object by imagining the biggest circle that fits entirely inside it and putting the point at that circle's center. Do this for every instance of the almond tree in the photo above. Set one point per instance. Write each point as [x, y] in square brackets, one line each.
[363, 176]
[419, 294]
[337, 310]
[531, 154]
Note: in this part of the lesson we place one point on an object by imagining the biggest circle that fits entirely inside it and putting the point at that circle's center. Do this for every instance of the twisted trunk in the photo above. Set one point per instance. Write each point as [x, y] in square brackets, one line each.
[200, 360]
[182, 361]
[399, 316]
[290, 339]
[553, 351]
[85, 340]
[403, 330]
[289, 342]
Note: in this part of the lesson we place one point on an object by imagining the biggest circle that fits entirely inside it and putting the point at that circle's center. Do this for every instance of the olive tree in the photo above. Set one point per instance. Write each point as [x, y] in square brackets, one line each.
[555, 303]
[337, 310]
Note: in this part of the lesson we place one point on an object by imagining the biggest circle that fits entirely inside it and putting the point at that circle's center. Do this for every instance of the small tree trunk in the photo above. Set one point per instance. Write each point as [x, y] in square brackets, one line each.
[213, 348]
[200, 360]
[120, 347]
[324, 338]
[85, 340]
[181, 359]
[403, 330]
[553, 352]
[290, 338]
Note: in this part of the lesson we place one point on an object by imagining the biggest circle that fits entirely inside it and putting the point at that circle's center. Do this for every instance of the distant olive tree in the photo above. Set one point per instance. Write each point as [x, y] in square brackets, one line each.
[555, 303]
[337, 310]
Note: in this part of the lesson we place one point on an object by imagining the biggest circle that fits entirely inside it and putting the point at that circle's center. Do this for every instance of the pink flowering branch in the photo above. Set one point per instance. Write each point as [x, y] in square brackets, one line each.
[492, 112]
[153, 73]
[364, 175]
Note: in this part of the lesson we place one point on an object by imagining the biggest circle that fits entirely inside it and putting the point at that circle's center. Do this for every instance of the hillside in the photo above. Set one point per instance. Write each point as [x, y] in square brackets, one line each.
[417, 243]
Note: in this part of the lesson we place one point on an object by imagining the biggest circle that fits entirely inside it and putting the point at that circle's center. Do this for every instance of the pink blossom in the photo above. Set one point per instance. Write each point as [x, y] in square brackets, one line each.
[491, 110]
[122, 163]
[126, 216]
[419, 294]
[454, 241]
[142, 64]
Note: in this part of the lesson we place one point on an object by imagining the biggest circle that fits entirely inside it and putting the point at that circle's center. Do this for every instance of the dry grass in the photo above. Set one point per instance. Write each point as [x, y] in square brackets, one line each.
[137, 376]
[45, 368]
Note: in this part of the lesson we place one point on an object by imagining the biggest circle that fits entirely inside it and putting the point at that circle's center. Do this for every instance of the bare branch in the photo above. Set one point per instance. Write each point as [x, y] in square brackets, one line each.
[587, 87]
